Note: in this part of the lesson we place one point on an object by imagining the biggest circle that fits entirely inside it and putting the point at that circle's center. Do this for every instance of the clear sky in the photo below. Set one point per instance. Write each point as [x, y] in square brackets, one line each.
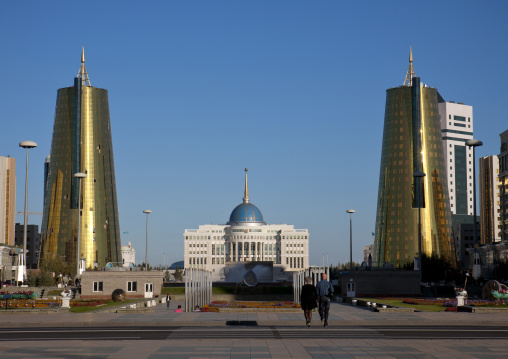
[199, 90]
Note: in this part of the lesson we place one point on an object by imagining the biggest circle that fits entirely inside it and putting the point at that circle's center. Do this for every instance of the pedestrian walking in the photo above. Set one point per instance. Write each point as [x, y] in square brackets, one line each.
[325, 292]
[308, 299]
[168, 300]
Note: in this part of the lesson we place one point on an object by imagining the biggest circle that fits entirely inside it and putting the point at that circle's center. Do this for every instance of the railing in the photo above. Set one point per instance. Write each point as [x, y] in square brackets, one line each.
[299, 279]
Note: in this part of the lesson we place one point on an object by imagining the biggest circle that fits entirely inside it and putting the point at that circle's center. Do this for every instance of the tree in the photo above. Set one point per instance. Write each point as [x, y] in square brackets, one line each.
[178, 274]
[434, 268]
[142, 266]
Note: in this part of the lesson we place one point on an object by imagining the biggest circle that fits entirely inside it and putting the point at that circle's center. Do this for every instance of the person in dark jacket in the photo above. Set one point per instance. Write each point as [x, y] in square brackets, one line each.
[308, 299]
[325, 292]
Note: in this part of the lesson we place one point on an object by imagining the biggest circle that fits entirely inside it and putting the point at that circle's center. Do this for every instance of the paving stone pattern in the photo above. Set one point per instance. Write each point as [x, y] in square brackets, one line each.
[341, 316]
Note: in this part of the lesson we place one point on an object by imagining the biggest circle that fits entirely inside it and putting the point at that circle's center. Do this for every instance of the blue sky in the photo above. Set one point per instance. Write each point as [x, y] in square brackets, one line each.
[199, 90]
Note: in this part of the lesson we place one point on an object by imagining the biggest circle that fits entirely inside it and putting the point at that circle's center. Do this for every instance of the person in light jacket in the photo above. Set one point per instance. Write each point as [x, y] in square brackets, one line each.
[325, 292]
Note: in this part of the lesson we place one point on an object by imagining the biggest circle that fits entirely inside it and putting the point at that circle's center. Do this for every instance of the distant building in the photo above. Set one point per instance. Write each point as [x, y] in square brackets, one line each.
[46, 173]
[7, 199]
[491, 255]
[464, 240]
[33, 240]
[11, 268]
[368, 250]
[489, 199]
[247, 238]
[503, 186]
[179, 264]
[128, 256]
[457, 128]
[136, 284]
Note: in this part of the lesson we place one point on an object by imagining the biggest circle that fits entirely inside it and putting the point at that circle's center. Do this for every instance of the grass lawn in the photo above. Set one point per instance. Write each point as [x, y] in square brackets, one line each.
[83, 309]
[181, 290]
[231, 290]
[399, 303]
[173, 290]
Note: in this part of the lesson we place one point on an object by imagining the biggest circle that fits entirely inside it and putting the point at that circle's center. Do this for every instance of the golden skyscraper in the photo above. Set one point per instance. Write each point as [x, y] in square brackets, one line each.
[412, 143]
[81, 143]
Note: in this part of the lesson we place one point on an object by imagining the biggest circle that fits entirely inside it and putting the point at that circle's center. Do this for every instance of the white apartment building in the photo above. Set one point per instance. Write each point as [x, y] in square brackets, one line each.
[246, 238]
[456, 129]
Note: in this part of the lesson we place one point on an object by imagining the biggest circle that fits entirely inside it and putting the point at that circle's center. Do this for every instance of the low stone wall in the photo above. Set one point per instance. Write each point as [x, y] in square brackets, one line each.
[382, 283]
[260, 310]
[378, 307]
[252, 297]
[238, 297]
[470, 309]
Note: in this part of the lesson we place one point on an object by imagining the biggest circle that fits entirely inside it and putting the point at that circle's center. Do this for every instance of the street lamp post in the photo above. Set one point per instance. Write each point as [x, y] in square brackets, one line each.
[474, 143]
[27, 145]
[350, 211]
[80, 176]
[147, 211]
[419, 175]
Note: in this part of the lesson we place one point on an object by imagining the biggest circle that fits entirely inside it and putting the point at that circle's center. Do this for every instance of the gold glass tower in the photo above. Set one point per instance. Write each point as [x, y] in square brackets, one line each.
[412, 143]
[81, 143]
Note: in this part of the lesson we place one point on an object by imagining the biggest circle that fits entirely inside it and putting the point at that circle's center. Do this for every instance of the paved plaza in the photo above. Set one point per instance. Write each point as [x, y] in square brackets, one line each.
[211, 335]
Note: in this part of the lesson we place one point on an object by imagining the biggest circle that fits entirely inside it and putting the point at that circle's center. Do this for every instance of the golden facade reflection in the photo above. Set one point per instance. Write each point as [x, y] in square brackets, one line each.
[396, 237]
[93, 154]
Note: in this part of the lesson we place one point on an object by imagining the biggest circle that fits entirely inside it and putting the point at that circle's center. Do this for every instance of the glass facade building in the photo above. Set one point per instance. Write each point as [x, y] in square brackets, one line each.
[81, 143]
[489, 186]
[412, 143]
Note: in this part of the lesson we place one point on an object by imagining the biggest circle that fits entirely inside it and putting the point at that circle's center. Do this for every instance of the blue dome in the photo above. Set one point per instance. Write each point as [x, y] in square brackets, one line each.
[246, 213]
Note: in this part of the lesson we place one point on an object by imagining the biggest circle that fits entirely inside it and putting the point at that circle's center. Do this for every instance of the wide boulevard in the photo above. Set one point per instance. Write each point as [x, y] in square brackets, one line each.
[354, 332]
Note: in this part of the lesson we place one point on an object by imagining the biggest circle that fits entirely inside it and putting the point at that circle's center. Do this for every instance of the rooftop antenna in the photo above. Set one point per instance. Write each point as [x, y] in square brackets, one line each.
[410, 71]
[246, 196]
[82, 74]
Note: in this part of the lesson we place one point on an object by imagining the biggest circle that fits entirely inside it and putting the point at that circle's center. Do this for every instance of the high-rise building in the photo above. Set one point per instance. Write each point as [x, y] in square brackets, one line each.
[503, 186]
[33, 238]
[46, 172]
[81, 144]
[411, 145]
[489, 200]
[457, 128]
[246, 238]
[7, 199]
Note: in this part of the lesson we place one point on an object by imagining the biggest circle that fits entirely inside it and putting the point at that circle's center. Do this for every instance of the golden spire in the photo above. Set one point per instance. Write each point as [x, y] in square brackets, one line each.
[408, 81]
[82, 74]
[246, 196]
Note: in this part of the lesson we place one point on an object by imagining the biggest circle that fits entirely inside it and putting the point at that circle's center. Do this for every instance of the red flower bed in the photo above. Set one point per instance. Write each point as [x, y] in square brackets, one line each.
[86, 303]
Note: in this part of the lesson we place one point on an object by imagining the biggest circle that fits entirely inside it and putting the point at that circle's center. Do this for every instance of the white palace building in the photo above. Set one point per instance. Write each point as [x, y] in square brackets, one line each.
[247, 238]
